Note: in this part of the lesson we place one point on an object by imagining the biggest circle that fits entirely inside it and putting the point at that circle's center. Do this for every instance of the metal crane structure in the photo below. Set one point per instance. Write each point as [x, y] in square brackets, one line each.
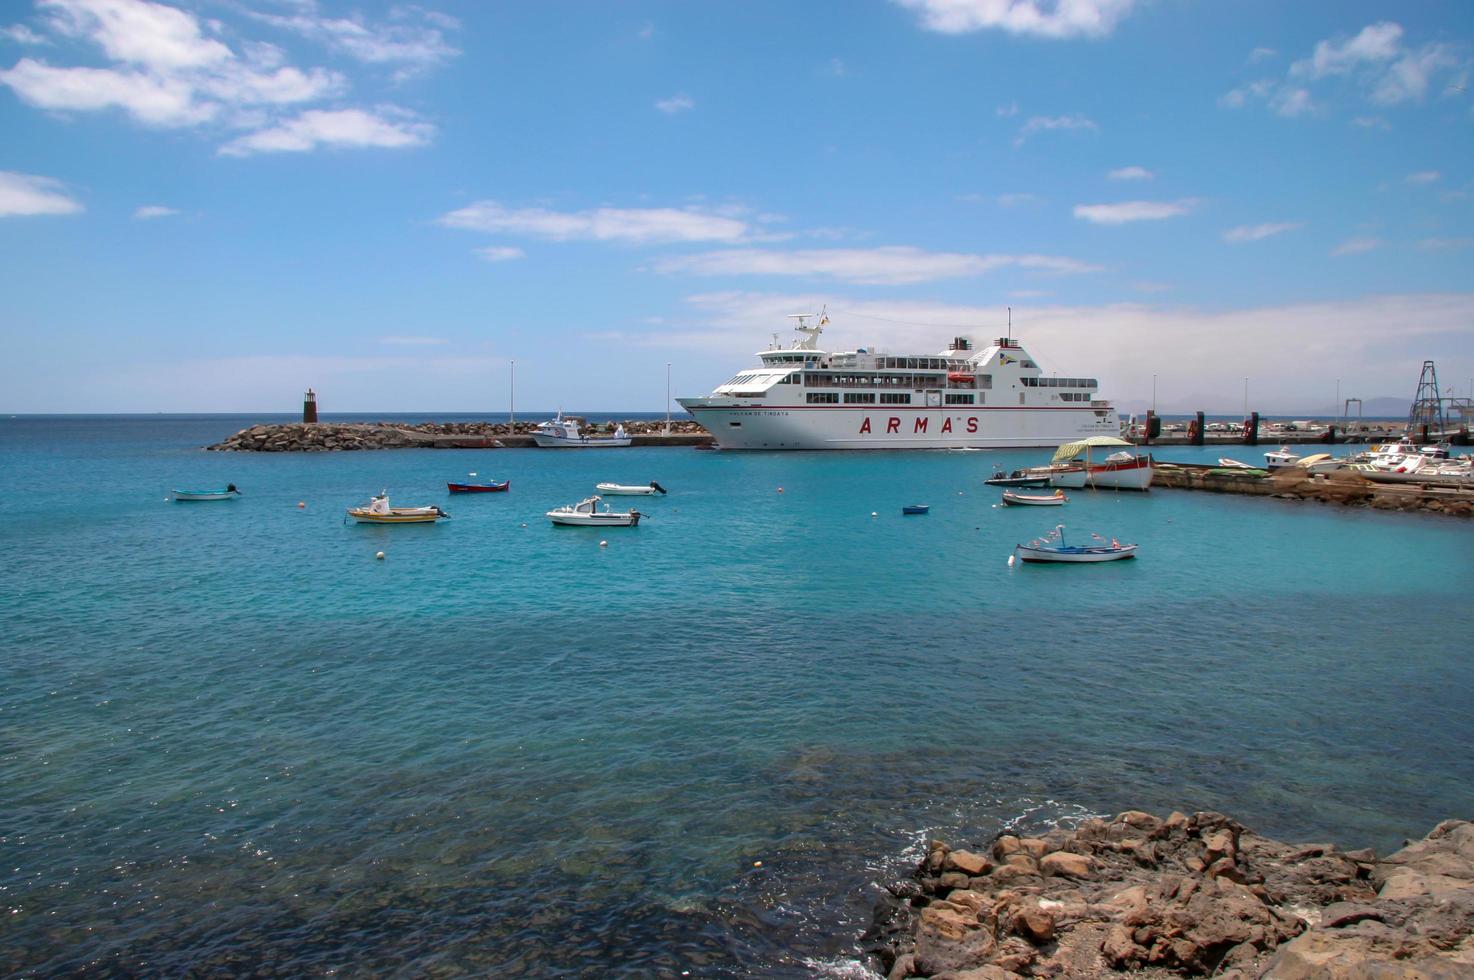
[1426, 419]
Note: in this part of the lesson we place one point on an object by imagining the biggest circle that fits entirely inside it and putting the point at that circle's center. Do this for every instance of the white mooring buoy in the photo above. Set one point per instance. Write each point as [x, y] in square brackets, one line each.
[1010, 561]
[603, 544]
[380, 556]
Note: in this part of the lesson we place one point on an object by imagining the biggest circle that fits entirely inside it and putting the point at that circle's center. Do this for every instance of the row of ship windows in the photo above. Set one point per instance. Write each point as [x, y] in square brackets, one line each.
[883, 398]
[1060, 383]
[904, 398]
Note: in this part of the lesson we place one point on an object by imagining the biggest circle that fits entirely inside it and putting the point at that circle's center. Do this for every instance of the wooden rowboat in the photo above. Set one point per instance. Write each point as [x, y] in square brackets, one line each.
[1056, 499]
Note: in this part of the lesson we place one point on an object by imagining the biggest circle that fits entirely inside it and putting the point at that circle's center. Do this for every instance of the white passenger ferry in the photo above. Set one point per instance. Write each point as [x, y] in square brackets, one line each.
[806, 398]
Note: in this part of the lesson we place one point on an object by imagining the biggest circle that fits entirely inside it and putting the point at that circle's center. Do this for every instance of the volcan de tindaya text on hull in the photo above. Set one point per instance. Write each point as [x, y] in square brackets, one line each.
[806, 398]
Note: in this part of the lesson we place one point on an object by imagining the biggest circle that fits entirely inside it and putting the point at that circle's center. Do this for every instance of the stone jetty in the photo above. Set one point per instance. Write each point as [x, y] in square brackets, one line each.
[1190, 896]
[1346, 488]
[325, 437]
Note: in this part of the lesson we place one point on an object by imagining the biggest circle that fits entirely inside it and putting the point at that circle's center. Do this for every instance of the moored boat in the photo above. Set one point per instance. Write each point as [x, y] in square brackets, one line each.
[378, 511]
[1052, 548]
[491, 487]
[624, 490]
[561, 433]
[1280, 459]
[1074, 468]
[1056, 499]
[1018, 478]
[913, 509]
[586, 513]
[227, 492]
[1233, 464]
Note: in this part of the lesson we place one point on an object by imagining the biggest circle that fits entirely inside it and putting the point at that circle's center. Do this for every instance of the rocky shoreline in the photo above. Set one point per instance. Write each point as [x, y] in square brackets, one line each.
[327, 437]
[1196, 895]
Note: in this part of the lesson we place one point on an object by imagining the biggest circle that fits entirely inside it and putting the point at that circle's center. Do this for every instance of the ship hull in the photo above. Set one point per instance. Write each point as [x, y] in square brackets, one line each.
[807, 427]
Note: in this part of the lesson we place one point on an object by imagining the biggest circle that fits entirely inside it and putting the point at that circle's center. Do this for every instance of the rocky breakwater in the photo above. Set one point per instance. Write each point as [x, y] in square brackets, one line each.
[1343, 487]
[1196, 895]
[318, 437]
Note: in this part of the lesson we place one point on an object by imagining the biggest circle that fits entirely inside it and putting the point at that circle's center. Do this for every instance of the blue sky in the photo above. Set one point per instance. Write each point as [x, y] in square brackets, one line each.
[210, 205]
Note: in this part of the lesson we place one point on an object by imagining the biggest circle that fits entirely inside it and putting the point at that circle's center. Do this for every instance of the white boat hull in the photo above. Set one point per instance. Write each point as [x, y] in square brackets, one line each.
[739, 426]
[582, 442]
[1077, 557]
[594, 520]
[618, 490]
[1137, 476]
[189, 495]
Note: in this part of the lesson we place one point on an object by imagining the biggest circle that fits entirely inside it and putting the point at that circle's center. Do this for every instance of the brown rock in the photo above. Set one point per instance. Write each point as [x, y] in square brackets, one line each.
[1034, 924]
[1063, 864]
[1006, 845]
[967, 862]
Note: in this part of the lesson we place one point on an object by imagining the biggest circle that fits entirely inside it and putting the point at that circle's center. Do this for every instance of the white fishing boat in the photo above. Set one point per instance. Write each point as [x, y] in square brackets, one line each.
[627, 490]
[1056, 499]
[561, 433]
[1280, 459]
[1052, 548]
[1075, 466]
[586, 513]
[803, 397]
[378, 511]
[227, 492]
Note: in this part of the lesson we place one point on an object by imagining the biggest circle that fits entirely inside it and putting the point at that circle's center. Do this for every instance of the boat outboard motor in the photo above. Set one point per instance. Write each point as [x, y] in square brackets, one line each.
[441, 513]
[657, 487]
[230, 488]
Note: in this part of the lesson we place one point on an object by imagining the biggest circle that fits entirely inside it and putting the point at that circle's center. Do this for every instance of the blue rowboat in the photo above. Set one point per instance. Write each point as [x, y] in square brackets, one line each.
[916, 509]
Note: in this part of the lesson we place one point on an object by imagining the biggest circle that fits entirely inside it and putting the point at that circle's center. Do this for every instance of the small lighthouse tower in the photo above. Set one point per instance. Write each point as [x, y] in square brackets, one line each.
[309, 406]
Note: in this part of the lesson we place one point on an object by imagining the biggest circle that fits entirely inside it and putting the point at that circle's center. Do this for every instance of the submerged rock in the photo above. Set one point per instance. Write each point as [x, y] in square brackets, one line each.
[1192, 895]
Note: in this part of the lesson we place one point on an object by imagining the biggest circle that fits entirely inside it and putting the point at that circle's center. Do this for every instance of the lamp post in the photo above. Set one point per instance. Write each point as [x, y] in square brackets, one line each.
[667, 397]
[512, 399]
[1154, 394]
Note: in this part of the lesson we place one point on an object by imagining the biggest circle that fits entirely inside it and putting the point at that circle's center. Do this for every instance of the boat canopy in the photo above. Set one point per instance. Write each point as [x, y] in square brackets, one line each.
[1072, 449]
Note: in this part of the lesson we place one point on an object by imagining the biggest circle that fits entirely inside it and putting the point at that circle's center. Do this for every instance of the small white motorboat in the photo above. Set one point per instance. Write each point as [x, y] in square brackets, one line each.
[227, 492]
[1056, 499]
[1233, 464]
[1280, 459]
[378, 511]
[1074, 469]
[1052, 548]
[586, 513]
[561, 433]
[625, 490]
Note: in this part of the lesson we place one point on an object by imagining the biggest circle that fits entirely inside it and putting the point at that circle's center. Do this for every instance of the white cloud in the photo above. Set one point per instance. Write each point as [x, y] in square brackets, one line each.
[1254, 233]
[1423, 177]
[1371, 122]
[1037, 18]
[138, 32]
[1356, 246]
[1262, 54]
[413, 37]
[150, 211]
[890, 265]
[500, 253]
[171, 69]
[1375, 60]
[28, 194]
[1042, 124]
[636, 225]
[1376, 43]
[837, 68]
[1127, 211]
[398, 341]
[1131, 173]
[21, 34]
[385, 127]
[1006, 111]
[674, 104]
[1017, 200]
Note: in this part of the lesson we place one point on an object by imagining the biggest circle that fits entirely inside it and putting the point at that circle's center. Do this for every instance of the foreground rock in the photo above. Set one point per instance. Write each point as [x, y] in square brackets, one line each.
[1184, 896]
[322, 437]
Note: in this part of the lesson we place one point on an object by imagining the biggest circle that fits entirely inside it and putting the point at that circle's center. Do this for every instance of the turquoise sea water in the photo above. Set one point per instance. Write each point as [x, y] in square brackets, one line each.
[230, 739]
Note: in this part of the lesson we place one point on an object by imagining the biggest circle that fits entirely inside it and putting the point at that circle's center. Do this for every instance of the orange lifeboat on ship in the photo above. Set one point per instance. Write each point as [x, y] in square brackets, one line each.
[959, 378]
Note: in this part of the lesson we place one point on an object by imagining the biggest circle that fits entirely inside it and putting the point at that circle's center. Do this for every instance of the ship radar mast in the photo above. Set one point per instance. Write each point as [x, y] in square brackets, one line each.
[811, 334]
